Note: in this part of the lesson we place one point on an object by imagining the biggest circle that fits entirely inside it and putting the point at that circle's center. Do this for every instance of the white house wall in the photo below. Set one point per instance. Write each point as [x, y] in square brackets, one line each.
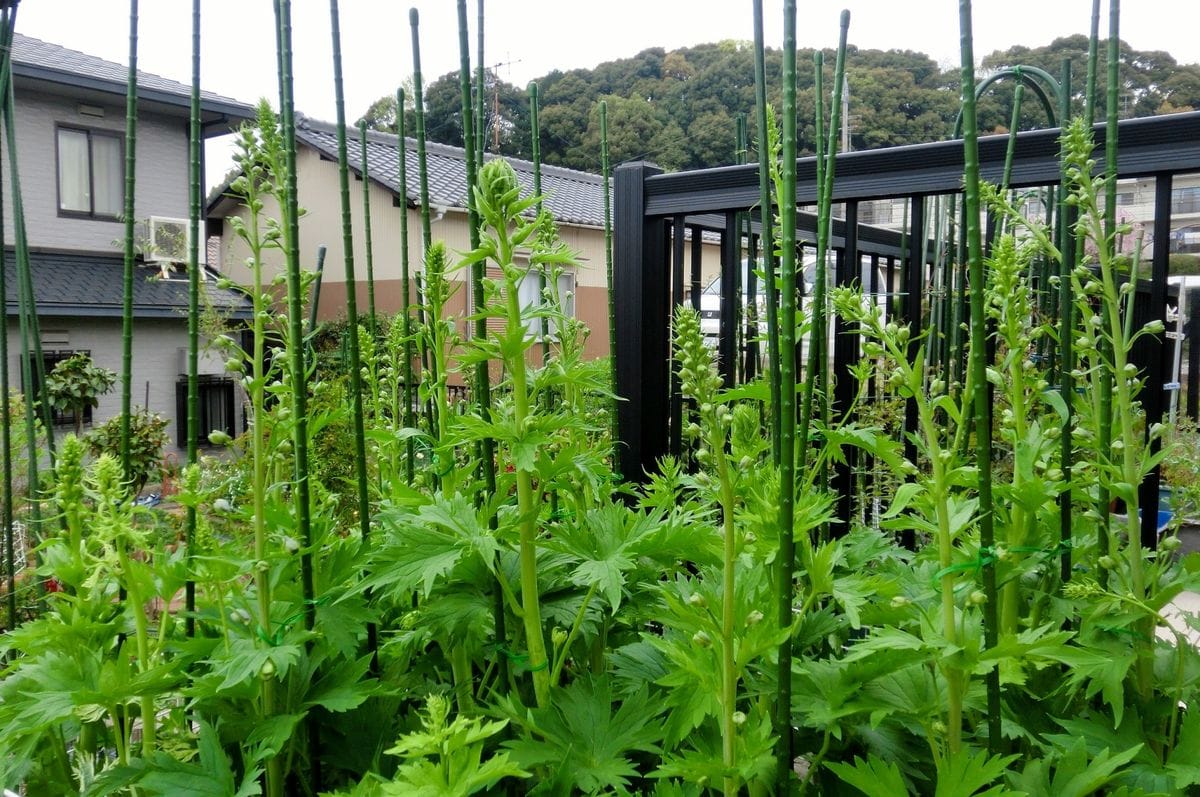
[156, 360]
[162, 180]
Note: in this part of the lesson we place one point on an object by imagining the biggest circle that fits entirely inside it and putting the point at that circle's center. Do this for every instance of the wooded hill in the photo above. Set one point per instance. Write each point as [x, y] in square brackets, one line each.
[679, 108]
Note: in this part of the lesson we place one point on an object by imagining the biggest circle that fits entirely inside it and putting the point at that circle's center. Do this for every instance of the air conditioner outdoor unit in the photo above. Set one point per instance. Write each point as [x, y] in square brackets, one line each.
[169, 241]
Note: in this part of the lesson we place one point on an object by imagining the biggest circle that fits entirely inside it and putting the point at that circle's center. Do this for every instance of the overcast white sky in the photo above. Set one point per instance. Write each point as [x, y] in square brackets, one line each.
[536, 36]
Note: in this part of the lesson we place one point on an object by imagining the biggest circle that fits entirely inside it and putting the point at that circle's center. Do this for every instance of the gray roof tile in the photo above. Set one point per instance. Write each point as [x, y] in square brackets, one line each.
[80, 284]
[572, 197]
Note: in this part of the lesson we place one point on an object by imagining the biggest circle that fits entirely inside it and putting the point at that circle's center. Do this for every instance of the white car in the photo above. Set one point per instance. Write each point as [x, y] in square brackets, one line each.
[710, 298]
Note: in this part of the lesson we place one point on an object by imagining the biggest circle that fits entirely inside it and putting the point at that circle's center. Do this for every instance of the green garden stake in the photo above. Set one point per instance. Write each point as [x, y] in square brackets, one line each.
[130, 243]
[767, 245]
[193, 385]
[405, 285]
[370, 254]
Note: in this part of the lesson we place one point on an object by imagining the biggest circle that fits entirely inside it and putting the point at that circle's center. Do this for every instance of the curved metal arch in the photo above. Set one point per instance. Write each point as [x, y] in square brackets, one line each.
[1026, 74]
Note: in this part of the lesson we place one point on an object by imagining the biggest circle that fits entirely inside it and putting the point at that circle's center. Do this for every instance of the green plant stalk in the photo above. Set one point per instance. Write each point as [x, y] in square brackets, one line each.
[536, 155]
[606, 174]
[370, 254]
[414, 21]
[1021, 524]
[729, 675]
[817, 368]
[526, 506]
[142, 635]
[482, 387]
[1130, 470]
[356, 406]
[764, 211]
[1089, 111]
[262, 579]
[193, 385]
[480, 88]
[127, 290]
[27, 313]
[405, 285]
[5, 396]
[785, 562]
[295, 344]
[978, 396]
[1066, 335]
[1107, 242]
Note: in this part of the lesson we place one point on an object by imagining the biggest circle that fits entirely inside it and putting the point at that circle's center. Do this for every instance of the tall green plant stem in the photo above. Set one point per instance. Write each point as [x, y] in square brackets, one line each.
[816, 369]
[767, 245]
[27, 308]
[1107, 242]
[193, 385]
[785, 562]
[979, 395]
[370, 254]
[480, 86]
[526, 505]
[729, 675]
[606, 174]
[137, 605]
[356, 405]
[482, 387]
[5, 397]
[258, 459]
[295, 340]
[127, 290]
[414, 21]
[405, 284]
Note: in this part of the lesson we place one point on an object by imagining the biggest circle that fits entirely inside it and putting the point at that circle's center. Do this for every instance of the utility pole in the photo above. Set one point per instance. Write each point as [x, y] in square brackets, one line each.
[496, 101]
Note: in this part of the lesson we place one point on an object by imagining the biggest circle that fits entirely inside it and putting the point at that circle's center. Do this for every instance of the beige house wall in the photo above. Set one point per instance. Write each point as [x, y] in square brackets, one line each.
[321, 224]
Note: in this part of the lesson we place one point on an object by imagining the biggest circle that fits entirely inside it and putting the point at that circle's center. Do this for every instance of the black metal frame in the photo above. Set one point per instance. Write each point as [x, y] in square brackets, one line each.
[649, 204]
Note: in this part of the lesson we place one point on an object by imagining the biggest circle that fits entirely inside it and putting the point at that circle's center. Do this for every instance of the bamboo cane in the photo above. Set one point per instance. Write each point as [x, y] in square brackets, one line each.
[127, 293]
[978, 364]
[765, 223]
[193, 384]
[785, 562]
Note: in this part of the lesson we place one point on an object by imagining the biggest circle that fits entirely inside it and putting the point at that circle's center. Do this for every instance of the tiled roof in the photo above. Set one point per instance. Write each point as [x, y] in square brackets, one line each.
[572, 197]
[36, 58]
[80, 284]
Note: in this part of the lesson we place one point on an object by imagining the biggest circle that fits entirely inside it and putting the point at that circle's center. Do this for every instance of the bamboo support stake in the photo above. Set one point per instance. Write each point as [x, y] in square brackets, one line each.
[785, 561]
[405, 285]
[978, 377]
[127, 293]
[193, 381]
[370, 254]
[765, 210]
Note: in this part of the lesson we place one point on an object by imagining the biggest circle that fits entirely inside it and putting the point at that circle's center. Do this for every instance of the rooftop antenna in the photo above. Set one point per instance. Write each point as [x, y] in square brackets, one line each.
[496, 101]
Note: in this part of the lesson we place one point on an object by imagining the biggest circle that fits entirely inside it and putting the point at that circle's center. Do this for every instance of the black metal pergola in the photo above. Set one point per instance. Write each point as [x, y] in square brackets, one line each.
[653, 210]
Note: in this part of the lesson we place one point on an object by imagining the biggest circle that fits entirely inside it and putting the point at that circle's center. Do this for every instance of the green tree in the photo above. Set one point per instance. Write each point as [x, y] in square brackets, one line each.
[76, 385]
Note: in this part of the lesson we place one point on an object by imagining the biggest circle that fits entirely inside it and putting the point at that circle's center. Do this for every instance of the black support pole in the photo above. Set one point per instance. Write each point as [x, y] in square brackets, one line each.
[677, 229]
[730, 268]
[845, 354]
[914, 286]
[1153, 395]
[640, 295]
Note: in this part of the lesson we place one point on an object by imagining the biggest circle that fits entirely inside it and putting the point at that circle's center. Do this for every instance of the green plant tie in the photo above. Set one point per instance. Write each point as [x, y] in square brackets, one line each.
[521, 660]
[276, 639]
[987, 556]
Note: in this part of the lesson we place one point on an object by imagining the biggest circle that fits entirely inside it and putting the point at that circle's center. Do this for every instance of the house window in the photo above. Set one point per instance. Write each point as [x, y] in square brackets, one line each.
[1185, 200]
[530, 293]
[51, 358]
[215, 408]
[91, 180]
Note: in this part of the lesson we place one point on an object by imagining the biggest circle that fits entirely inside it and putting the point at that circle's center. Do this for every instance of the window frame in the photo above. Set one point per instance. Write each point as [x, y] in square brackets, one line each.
[224, 387]
[90, 132]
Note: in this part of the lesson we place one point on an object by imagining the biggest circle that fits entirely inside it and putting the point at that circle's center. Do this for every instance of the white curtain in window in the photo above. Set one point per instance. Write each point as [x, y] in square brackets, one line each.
[73, 177]
[108, 175]
[529, 295]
